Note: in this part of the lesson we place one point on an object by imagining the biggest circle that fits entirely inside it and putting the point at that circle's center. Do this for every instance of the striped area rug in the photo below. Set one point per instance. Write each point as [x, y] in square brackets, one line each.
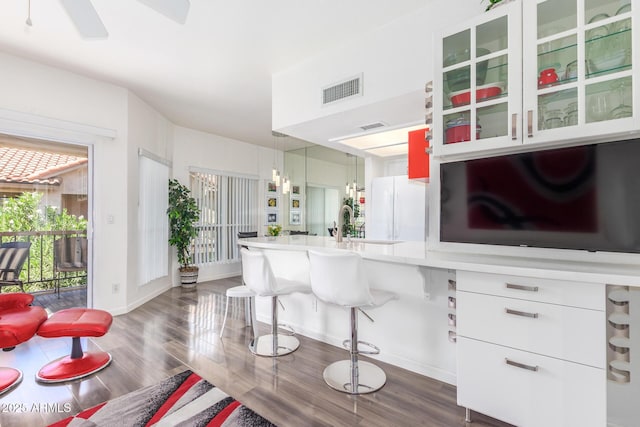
[182, 400]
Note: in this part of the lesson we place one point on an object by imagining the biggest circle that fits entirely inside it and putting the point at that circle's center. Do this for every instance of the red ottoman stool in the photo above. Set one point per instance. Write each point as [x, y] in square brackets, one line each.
[19, 321]
[75, 323]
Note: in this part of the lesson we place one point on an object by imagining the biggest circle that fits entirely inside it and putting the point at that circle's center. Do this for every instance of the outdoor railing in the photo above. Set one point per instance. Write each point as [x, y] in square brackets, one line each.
[217, 244]
[38, 273]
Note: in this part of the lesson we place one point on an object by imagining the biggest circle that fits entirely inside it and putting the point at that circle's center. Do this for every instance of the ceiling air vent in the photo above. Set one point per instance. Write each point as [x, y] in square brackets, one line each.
[342, 90]
[372, 126]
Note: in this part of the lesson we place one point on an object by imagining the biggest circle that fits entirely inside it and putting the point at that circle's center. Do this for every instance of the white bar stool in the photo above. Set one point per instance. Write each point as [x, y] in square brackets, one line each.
[259, 276]
[340, 278]
[242, 292]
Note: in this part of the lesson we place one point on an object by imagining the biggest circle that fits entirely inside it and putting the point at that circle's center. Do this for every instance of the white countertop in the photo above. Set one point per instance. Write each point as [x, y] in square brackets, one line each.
[417, 253]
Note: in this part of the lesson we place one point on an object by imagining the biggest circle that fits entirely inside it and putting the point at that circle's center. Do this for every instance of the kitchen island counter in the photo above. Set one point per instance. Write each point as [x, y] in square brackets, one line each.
[589, 268]
[411, 331]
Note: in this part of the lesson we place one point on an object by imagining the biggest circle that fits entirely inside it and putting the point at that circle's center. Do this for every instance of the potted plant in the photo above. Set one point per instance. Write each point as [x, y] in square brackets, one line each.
[183, 215]
[492, 4]
[274, 230]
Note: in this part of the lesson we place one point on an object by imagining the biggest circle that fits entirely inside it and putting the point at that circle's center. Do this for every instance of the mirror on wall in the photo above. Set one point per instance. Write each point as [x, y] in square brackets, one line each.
[321, 178]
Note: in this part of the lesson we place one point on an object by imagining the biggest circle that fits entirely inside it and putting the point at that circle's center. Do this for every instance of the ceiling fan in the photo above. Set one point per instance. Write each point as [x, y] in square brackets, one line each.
[90, 26]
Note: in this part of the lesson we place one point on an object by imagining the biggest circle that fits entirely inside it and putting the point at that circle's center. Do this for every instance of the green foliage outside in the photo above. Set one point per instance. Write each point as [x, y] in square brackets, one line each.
[24, 213]
[346, 226]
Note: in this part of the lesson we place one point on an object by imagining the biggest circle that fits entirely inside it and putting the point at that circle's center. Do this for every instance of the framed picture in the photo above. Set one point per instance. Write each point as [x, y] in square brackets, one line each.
[295, 189]
[295, 203]
[271, 187]
[271, 218]
[272, 202]
[294, 217]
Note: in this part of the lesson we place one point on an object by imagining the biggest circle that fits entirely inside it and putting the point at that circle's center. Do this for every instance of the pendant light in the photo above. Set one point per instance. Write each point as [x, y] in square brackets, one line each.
[351, 189]
[275, 173]
[28, 21]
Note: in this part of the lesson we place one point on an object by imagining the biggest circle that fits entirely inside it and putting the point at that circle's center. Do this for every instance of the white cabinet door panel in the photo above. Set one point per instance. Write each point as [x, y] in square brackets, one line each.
[567, 333]
[575, 294]
[559, 393]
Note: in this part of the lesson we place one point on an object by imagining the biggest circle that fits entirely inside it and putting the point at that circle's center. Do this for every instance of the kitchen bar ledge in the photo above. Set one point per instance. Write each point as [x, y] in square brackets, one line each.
[418, 254]
[411, 331]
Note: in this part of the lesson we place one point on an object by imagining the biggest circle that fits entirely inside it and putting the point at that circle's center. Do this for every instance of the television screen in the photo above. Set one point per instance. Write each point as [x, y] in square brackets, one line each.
[585, 197]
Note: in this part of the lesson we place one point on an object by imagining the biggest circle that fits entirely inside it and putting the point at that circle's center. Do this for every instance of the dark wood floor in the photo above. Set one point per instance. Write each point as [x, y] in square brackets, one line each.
[179, 330]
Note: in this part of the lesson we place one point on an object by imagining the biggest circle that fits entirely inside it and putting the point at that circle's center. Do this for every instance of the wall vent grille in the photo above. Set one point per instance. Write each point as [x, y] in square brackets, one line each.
[343, 90]
[372, 126]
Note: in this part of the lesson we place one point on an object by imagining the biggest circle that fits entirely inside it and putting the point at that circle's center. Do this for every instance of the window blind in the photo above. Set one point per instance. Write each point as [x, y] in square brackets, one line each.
[228, 204]
[153, 227]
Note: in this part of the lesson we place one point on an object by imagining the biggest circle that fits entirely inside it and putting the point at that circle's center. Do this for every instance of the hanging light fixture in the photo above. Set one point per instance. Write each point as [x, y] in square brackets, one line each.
[28, 21]
[275, 173]
[351, 189]
[286, 183]
[355, 177]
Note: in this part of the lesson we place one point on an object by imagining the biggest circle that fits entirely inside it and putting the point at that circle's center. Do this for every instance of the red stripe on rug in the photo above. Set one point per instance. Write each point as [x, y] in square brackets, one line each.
[166, 406]
[222, 416]
[85, 415]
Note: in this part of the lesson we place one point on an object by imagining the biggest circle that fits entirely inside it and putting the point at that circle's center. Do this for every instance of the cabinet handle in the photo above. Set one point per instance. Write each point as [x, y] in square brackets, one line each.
[521, 365]
[530, 123]
[514, 126]
[521, 313]
[522, 287]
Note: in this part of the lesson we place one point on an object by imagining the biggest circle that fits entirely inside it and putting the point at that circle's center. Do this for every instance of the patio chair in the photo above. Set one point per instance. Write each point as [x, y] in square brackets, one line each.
[12, 258]
[69, 255]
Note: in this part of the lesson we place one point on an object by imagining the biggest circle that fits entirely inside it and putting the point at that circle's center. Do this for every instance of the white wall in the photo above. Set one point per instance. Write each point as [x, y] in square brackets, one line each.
[49, 92]
[396, 61]
[388, 58]
[40, 90]
[203, 150]
[149, 130]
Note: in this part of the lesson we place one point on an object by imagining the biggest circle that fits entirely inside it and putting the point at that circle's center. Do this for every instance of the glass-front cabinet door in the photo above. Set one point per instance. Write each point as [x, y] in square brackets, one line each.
[578, 70]
[539, 71]
[479, 83]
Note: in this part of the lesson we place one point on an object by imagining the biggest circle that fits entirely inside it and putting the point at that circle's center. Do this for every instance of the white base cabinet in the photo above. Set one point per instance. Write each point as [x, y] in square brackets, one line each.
[532, 352]
[499, 381]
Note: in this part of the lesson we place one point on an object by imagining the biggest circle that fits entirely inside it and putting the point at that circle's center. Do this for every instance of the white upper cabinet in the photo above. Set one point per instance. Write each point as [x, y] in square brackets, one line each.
[545, 71]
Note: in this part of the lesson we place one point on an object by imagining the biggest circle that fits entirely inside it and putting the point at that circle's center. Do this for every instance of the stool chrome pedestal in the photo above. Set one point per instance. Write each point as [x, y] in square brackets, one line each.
[340, 278]
[273, 273]
[274, 344]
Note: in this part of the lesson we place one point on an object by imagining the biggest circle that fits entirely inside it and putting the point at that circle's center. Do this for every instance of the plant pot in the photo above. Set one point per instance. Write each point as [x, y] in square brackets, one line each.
[188, 276]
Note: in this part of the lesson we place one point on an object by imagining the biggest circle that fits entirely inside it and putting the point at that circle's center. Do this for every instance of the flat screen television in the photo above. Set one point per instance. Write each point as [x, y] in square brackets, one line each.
[582, 198]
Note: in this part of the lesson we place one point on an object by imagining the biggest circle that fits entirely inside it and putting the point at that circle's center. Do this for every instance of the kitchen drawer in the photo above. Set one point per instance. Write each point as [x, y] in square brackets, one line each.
[568, 333]
[559, 393]
[576, 294]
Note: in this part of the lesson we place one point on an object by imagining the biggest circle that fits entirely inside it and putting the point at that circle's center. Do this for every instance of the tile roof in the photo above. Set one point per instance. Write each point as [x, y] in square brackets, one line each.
[21, 166]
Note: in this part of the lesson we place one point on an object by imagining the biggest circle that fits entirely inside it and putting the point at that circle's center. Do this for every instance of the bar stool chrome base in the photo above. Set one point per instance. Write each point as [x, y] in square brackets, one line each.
[273, 346]
[370, 378]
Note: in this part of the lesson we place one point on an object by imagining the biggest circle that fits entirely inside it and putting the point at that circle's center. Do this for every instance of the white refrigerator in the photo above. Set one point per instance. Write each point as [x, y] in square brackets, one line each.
[397, 209]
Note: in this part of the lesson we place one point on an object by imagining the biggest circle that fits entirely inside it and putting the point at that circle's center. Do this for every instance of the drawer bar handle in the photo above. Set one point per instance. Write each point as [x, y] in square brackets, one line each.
[521, 313]
[521, 365]
[522, 287]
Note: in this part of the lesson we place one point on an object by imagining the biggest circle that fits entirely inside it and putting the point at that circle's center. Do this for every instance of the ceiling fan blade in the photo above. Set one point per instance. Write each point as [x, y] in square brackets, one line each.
[85, 18]
[176, 10]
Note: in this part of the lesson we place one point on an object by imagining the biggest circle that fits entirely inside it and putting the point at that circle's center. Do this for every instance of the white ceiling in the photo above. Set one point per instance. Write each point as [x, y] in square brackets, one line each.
[213, 73]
